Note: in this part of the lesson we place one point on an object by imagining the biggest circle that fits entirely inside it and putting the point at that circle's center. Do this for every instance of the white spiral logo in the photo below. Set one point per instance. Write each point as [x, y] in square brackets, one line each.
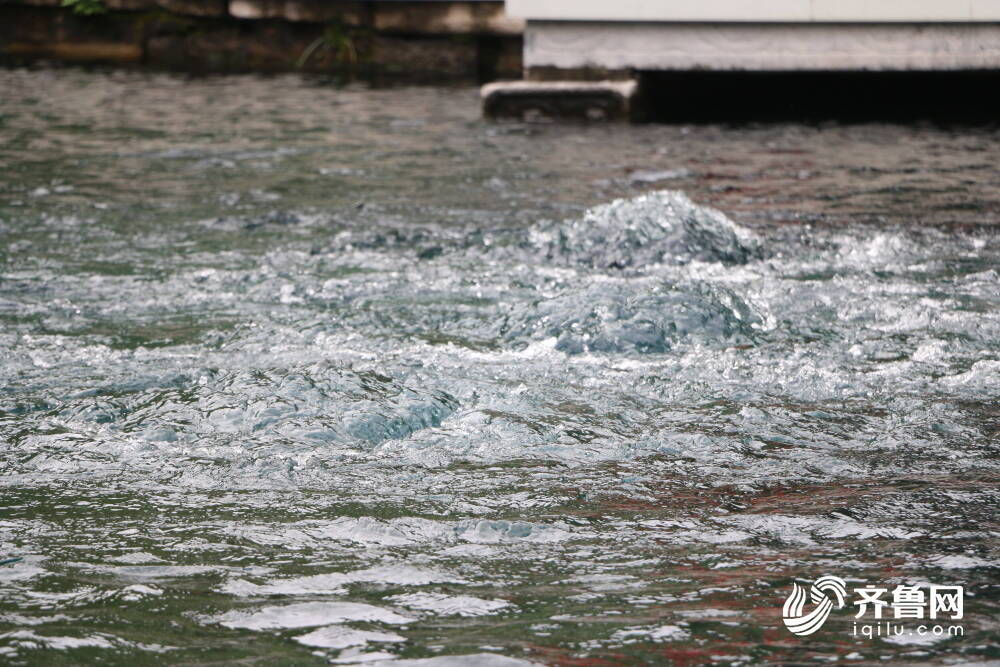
[819, 593]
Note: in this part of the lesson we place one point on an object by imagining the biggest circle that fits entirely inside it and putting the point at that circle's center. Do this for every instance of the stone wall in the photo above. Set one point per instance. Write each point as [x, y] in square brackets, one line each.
[413, 40]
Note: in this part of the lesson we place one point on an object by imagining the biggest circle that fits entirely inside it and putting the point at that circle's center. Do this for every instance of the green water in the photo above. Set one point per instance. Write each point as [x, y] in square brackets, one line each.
[294, 373]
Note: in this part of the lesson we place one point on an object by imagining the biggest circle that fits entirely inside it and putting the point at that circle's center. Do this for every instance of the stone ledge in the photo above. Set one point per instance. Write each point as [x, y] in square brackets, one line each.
[130, 5]
[540, 101]
[449, 17]
[300, 11]
[107, 52]
[446, 18]
[185, 7]
[194, 7]
[224, 44]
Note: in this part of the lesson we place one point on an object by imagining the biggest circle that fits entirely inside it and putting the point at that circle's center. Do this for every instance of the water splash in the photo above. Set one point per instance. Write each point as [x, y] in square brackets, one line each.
[660, 227]
[302, 402]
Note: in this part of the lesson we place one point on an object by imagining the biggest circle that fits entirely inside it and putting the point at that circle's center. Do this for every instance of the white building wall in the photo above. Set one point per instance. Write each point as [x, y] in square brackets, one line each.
[762, 47]
[913, 11]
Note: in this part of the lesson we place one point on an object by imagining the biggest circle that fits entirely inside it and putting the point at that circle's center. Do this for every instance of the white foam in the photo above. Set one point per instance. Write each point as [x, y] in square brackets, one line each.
[138, 592]
[335, 583]
[914, 639]
[339, 637]
[472, 660]
[356, 656]
[959, 562]
[20, 571]
[663, 633]
[811, 530]
[307, 614]
[154, 572]
[136, 558]
[450, 605]
[402, 532]
[27, 637]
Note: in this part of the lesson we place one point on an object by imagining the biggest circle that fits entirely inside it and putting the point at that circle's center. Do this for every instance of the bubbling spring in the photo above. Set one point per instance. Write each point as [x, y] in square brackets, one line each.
[285, 434]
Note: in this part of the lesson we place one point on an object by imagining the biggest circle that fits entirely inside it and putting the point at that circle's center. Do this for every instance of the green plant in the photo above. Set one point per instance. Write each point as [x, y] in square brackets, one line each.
[85, 7]
[335, 38]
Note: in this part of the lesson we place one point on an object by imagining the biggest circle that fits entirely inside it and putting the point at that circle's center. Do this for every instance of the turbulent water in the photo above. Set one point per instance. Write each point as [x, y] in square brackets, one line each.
[293, 374]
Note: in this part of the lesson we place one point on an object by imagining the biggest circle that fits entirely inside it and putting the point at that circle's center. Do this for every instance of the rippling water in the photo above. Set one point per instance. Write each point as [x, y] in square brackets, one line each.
[294, 373]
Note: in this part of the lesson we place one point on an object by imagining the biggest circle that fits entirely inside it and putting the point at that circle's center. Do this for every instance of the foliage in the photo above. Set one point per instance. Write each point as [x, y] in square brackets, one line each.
[335, 38]
[86, 7]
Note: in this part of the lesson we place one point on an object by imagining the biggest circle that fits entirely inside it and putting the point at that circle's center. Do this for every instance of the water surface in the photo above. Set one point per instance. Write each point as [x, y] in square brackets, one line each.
[293, 373]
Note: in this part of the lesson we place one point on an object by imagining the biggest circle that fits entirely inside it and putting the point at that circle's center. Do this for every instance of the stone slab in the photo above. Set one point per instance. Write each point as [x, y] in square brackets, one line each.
[445, 18]
[130, 5]
[40, 3]
[80, 52]
[443, 56]
[195, 7]
[454, 17]
[307, 11]
[535, 101]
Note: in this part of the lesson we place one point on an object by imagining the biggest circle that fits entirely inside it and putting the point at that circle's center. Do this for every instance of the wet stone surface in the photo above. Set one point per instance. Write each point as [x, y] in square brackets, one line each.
[293, 374]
